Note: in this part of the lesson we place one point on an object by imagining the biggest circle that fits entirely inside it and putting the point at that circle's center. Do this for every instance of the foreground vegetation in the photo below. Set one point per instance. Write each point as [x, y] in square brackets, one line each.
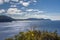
[36, 35]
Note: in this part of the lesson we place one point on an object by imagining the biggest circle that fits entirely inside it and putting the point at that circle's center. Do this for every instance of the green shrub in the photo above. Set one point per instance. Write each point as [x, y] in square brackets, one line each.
[35, 35]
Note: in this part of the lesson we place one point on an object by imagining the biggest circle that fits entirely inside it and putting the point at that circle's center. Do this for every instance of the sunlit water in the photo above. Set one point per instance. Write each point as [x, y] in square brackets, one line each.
[8, 29]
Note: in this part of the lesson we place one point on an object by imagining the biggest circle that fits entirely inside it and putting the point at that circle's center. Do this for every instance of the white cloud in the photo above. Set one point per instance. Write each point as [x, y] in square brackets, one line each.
[6, 0]
[21, 2]
[15, 0]
[54, 17]
[2, 11]
[13, 11]
[1, 1]
[34, 0]
[30, 13]
[29, 10]
[25, 3]
[34, 10]
[13, 6]
[18, 2]
[27, 13]
[35, 16]
[40, 11]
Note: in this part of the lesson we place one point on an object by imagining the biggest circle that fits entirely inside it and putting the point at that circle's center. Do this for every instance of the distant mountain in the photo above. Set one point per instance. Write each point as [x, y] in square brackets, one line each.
[33, 19]
[37, 19]
[4, 18]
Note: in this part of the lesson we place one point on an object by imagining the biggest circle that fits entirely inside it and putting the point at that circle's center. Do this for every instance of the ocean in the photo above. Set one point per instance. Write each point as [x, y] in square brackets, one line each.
[9, 29]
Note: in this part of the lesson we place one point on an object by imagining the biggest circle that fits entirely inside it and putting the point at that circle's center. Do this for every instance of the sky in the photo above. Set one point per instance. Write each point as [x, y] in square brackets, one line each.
[22, 9]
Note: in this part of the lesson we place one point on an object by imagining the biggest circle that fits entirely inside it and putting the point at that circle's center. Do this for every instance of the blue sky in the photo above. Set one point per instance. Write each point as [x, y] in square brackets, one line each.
[48, 9]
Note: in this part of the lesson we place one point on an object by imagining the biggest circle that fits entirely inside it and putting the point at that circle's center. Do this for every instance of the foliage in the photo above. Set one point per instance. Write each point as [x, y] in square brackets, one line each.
[36, 35]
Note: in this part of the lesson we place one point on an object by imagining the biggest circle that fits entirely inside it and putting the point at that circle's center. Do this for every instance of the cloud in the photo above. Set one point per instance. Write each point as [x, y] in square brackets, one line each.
[33, 13]
[2, 11]
[25, 14]
[1, 1]
[11, 0]
[29, 13]
[18, 2]
[13, 11]
[53, 17]
[15, 0]
[29, 10]
[13, 6]
[6, 0]
[34, 1]
[34, 10]
[25, 3]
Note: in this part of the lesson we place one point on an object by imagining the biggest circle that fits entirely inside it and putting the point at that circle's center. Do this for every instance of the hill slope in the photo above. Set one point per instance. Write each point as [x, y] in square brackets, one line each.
[4, 18]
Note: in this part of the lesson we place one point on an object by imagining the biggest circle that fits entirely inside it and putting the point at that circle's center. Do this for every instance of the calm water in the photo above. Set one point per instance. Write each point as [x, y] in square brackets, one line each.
[8, 29]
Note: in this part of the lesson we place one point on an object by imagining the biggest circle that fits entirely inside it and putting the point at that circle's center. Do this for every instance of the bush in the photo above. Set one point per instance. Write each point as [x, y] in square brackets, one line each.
[35, 35]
